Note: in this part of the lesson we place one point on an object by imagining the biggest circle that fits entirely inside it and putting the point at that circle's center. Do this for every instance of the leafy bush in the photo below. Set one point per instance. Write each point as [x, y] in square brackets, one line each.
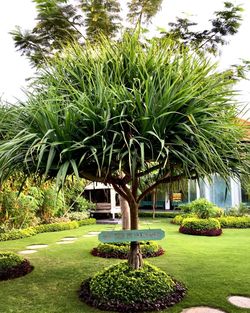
[234, 221]
[17, 211]
[73, 191]
[201, 224]
[240, 210]
[158, 214]
[185, 208]
[177, 220]
[120, 283]
[9, 259]
[18, 234]
[13, 265]
[205, 209]
[78, 216]
[56, 227]
[121, 250]
[89, 221]
[196, 226]
[31, 231]
[53, 203]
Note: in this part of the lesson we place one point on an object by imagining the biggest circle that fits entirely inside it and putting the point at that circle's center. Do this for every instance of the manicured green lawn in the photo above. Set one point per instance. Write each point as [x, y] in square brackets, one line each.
[211, 267]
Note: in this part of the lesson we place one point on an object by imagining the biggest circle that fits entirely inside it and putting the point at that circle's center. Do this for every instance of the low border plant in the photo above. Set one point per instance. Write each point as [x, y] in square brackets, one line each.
[31, 231]
[13, 265]
[120, 288]
[121, 250]
[200, 227]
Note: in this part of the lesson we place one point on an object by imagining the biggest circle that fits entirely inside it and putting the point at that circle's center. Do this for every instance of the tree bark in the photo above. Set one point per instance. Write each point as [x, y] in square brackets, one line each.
[135, 257]
[125, 213]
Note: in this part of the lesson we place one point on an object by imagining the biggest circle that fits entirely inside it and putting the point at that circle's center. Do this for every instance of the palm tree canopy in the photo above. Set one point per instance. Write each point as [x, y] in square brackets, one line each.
[130, 107]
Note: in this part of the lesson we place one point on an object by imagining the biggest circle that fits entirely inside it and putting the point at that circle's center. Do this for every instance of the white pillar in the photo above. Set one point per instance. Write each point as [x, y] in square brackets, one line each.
[198, 192]
[235, 191]
[112, 202]
[167, 201]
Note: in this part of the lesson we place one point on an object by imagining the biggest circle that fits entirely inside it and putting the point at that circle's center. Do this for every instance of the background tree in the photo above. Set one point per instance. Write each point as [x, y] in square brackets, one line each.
[102, 17]
[225, 23]
[126, 107]
[63, 21]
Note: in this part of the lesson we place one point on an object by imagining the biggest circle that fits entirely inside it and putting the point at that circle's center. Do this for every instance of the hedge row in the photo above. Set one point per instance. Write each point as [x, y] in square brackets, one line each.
[234, 221]
[31, 231]
[159, 214]
[201, 227]
[225, 221]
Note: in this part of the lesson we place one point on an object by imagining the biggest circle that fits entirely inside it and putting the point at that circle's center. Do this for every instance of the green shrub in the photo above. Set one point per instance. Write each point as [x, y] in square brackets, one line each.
[121, 250]
[53, 203]
[9, 260]
[18, 234]
[57, 227]
[121, 283]
[235, 221]
[205, 209]
[89, 221]
[78, 216]
[158, 214]
[17, 211]
[200, 223]
[31, 231]
[177, 220]
[185, 208]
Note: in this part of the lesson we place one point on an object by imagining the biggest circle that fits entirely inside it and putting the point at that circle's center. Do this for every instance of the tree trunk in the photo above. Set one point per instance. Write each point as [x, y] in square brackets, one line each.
[154, 201]
[135, 257]
[125, 213]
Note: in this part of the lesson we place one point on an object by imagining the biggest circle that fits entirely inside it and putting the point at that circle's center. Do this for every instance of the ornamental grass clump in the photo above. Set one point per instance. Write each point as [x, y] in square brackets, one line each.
[120, 288]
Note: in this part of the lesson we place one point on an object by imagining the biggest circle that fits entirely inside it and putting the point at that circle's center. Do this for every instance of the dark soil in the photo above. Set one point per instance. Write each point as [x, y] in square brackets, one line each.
[111, 305]
[16, 271]
[205, 232]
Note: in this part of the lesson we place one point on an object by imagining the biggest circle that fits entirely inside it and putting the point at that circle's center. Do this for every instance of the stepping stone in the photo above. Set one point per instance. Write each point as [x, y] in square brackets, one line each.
[89, 235]
[146, 223]
[68, 239]
[94, 233]
[239, 301]
[36, 246]
[27, 251]
[65, 242]
[202, 309]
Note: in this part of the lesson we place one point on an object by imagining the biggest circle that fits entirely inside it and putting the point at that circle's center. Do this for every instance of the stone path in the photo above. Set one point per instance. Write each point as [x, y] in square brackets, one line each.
[240, 301]
[202, 309]
[64, 241]
[27, 251]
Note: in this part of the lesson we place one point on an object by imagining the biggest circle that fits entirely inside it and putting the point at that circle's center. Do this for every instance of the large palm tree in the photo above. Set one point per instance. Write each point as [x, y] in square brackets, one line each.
[131, 108]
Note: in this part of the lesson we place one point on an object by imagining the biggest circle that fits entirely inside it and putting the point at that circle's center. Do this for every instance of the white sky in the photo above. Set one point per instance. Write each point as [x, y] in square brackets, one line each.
[14, 69]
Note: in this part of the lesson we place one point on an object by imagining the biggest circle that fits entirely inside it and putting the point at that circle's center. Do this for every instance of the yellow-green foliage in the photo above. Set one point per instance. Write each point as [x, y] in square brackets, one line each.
[200, 223]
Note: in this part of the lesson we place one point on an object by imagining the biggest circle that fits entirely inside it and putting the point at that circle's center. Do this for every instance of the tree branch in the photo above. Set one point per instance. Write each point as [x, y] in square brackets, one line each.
[164, 180]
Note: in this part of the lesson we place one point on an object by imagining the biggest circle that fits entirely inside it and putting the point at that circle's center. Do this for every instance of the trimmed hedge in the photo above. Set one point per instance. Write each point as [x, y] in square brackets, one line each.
[200, 227]
[120, 288]
[234, 221]
[12, 265]
[159, 214]
[31, 231]
[225, 221]
[121, 250]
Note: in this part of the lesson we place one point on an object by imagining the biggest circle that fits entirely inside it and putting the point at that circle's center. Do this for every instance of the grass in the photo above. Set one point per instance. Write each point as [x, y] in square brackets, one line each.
[211, 267]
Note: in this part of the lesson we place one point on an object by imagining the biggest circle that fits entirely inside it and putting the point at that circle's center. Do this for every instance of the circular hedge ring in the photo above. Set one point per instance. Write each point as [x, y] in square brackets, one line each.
[12, 265]
[200, 227]
[122, 289]
[121, 250]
